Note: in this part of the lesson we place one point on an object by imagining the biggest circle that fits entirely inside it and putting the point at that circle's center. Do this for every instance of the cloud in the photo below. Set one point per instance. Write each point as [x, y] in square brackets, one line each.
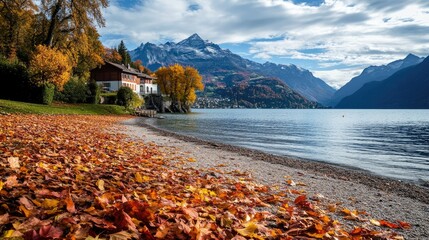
[335, 78]
[349, 33]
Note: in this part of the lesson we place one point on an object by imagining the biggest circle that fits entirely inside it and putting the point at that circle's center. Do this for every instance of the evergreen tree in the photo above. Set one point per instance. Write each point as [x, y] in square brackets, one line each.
[123, 51]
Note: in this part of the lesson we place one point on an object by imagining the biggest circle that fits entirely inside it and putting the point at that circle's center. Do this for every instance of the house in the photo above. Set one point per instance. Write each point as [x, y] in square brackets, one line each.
[111, 76]
[147, 85]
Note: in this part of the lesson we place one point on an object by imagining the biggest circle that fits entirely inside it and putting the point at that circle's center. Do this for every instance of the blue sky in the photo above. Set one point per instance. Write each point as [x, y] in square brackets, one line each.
[335, 39]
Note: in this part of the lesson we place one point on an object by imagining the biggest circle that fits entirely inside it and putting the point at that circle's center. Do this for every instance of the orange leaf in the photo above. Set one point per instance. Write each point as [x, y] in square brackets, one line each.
[404, 225]
[70, 204]
[388, 224]
[191, 212]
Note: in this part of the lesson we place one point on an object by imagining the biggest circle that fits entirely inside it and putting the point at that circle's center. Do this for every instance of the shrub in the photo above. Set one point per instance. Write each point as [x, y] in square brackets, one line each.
[93, 93]
[75, 91]
[14, 79]
[124, 96]
[47, 93]
[136, 101]
[109, 98]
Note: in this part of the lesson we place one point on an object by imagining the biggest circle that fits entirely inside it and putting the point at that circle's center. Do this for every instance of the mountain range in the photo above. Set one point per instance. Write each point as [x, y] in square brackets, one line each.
[373, 73]
[407, 88]
[234, 81]
[223, 71]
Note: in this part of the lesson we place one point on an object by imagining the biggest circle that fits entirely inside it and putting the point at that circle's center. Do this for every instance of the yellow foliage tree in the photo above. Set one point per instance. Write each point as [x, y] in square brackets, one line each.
[16, 17]
[180, 85]
[49, 66]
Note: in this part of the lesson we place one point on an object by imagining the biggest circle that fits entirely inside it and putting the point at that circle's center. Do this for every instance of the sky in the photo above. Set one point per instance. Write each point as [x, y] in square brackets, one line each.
[335, 39]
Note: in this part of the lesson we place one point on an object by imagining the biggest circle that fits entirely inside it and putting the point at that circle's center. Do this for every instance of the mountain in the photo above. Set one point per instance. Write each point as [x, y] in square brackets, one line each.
[374, 73]
[215, 64]
[300, 80]
[407, 88]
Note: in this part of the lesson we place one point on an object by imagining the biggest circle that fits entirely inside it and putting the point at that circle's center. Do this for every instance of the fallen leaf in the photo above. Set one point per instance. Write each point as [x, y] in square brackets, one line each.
[374, 222]
[50, 203]
[50, 232]
[249, 230]
[138, 177]
[24, 201]
[388, 224]
[122, 235]
[4, 219]
[70, 204]
[191, 212]
[11, 181]
[100, 184]
[404, 225]
[14, 162]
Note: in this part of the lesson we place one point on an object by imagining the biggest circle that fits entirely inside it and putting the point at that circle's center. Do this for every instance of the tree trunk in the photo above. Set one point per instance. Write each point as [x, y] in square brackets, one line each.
[52, 25]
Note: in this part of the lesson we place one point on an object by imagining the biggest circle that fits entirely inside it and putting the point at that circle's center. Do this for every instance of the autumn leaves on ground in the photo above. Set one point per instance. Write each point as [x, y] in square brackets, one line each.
[68, 177]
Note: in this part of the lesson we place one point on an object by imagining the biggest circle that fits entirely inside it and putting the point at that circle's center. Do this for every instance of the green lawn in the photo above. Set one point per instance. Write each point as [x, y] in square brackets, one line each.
[7, 106]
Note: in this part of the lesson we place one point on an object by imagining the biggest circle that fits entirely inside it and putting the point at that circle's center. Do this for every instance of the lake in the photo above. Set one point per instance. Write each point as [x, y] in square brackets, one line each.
[391, 143]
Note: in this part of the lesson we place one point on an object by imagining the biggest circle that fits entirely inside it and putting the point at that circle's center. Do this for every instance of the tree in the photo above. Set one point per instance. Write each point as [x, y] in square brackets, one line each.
[192, 81]
[16, 17]
[112, 55]
[70, 25]
[123, 51]
[49, 67]
[180, 85]
[86, 53]
[67, 17]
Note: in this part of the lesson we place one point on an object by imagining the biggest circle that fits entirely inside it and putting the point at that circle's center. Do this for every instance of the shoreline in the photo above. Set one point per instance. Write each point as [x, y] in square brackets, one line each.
[373, 196]
[356, 175]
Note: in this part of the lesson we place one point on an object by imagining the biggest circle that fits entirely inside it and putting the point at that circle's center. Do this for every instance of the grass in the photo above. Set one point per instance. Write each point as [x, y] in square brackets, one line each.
[7, 106]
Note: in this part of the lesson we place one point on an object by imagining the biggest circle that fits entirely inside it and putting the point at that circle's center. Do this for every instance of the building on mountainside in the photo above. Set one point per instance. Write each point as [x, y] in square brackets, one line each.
[112, 76]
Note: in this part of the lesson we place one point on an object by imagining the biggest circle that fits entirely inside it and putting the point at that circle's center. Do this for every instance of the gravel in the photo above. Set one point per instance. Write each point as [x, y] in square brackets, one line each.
[380, 197]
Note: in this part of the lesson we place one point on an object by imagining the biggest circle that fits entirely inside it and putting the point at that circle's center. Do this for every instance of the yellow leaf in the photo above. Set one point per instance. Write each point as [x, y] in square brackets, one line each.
[1, 185]
[8, 233]
[50, 203]
[139, 178]
[249, 230]
[26, 212]
[192, 160]
[375, 222]
[100, 184]
[316, 235]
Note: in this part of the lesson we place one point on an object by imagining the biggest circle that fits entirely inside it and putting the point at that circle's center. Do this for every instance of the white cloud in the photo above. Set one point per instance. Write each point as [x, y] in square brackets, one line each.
[335, 78]
[350, 33]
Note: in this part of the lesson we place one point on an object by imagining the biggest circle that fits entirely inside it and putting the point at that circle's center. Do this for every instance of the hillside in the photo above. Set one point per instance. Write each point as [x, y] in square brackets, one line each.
[408, 88]
[373, 73]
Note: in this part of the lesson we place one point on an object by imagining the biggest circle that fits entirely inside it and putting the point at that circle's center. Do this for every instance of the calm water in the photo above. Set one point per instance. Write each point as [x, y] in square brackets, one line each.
[392, 143]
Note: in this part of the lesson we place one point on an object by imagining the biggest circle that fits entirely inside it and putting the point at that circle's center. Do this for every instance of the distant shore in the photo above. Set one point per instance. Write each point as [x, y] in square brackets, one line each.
[382, 197]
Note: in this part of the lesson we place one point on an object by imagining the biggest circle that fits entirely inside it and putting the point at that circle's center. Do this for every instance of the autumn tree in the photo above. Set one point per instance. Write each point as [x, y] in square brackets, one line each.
[71, 25]
[67, 17]
[112, 55]
[16, 17]
[86, 52]
[180, 85]
[49, 67]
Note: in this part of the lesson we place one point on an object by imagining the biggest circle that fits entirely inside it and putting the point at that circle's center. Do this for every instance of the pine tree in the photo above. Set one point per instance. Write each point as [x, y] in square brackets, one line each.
[122, 50]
